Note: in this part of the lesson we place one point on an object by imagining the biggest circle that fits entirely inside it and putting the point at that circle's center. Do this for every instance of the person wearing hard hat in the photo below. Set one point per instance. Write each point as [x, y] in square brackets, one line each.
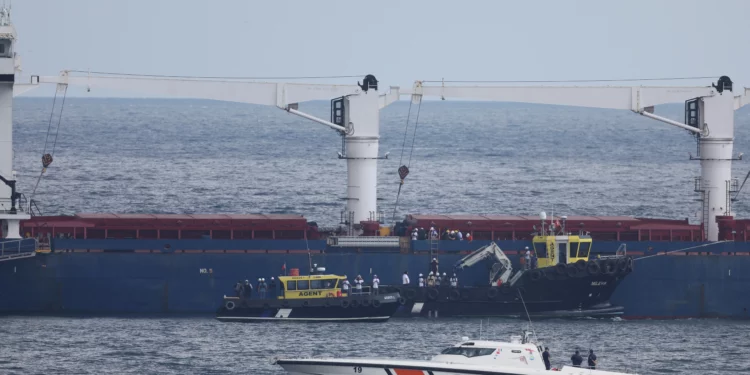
[421, 281]
[272, 288]
[434, 265]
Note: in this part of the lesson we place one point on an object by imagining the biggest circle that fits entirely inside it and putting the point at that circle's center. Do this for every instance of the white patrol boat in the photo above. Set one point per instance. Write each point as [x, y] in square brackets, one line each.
[520, 356]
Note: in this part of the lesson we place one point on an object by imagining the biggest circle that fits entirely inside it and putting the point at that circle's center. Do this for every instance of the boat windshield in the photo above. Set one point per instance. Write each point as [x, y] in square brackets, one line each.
[468, 352]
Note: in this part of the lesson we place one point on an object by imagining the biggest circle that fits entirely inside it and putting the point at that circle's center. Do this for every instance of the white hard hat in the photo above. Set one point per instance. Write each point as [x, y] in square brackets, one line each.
[420, 275]
[263, 279]
[444, 273]
[247, 281]
[375, 275]
[430, 272]
[526, 248]
[259, 279]
[271, 277]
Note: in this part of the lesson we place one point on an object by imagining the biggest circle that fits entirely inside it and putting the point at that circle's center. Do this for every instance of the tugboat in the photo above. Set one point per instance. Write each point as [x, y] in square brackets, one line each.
[521, 356]
[566, 283]
[313, 298]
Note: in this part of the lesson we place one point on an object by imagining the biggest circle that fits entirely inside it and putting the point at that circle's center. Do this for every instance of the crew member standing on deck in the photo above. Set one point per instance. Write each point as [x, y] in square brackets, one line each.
[238, 289]
[576, 359]
[545, 358]
[431, 280]
[405, 279]
[454, 281]
[262, 288]
[592, 359]
[272, 288]
[375, 284]
[434, 266]
[358, 284]
[247, 290]
[345, 285]
[421, 281]
[527, 257]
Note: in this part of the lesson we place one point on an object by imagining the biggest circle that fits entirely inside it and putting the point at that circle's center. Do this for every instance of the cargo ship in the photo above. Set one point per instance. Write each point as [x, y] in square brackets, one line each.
[107, 263]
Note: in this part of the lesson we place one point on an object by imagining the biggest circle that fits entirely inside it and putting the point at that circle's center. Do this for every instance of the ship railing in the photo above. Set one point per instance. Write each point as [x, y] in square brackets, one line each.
[621, 252]
[21, 248]
[364, 241]
[22, 206]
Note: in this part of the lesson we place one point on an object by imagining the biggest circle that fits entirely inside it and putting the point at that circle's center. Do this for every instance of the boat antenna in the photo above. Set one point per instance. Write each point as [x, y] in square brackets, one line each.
[309, 255]
[531, 325]
[480, 328]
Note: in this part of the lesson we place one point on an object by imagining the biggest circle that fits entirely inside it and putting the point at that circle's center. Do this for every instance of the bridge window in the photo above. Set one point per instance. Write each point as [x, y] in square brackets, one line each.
[541, 249]
[303, 285]
[573, 249]
[323, 284]
[585, 249]
[468, 352]
[291, 285]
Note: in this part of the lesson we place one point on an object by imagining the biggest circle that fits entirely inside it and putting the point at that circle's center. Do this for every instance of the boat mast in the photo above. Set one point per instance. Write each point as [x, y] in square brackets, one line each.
[11, 209]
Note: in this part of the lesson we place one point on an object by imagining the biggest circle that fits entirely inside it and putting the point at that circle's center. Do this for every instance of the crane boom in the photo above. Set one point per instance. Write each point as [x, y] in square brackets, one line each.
[634, 98]
[486, 252]
[279, 94]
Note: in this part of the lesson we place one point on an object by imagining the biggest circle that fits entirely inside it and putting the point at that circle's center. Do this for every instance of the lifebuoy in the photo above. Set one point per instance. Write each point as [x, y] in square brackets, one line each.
[401, 300]
[581, 264]
[536, 275]
[455, 295]
[593, 268]
[432, 293]
[560, 268]
[410, 293]
[375, 303]
[492, 293]
[354, 303]
[344, 303]
[229, 305]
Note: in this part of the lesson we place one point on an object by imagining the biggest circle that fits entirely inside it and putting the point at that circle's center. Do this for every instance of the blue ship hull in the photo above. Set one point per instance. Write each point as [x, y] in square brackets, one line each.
[191, 276]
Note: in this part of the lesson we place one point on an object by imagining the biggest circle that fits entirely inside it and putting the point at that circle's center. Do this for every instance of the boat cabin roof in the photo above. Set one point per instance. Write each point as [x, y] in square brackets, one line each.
[309, 277]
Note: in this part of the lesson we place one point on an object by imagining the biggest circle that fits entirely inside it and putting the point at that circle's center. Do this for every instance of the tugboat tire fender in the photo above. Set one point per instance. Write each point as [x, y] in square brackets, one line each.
[571, 270]
[345, 303]
[536, 275]
[432, 293]
[376, 303]
[581, 264]
[455, 295]
[354, 303]
[401, 300]
[593, 268]
[305, 303]
[630, 265]
[622, 265]
[560, 268]
[492, 293]
[610, 267]
[365, 302]
[229, 305]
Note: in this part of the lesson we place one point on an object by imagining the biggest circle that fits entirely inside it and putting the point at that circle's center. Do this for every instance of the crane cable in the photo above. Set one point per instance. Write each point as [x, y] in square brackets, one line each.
[403, 170]
[47, 158]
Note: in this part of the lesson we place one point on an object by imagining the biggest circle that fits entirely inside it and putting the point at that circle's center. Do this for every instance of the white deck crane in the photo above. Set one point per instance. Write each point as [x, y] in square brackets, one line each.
[356, 115]
[709, 115]
[501, 270]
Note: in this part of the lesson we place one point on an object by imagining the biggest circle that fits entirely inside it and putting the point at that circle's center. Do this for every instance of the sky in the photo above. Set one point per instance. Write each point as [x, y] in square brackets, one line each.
[397, 41]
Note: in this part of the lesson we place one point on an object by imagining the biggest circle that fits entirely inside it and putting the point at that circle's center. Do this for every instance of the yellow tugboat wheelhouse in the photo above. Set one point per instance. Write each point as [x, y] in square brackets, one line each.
[554, 246]
[311, 286]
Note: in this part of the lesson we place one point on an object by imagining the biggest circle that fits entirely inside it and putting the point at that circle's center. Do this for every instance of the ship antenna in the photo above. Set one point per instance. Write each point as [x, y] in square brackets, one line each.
[531, 325]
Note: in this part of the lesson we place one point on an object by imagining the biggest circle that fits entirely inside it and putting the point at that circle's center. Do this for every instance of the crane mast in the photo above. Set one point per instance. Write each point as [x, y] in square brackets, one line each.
[358, 120]
[709, 115]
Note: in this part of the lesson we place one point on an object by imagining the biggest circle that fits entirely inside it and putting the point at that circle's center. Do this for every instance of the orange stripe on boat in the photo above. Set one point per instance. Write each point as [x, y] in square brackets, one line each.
[400, 371]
